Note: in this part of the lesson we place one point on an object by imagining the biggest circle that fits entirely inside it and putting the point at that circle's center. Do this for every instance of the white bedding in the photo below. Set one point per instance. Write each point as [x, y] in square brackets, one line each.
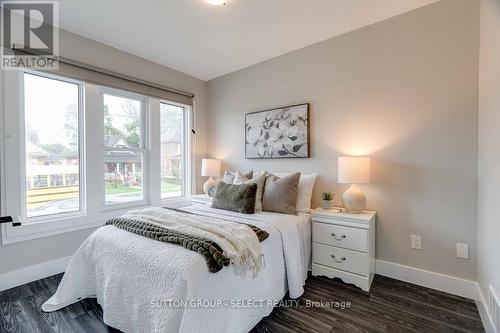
[135, 279]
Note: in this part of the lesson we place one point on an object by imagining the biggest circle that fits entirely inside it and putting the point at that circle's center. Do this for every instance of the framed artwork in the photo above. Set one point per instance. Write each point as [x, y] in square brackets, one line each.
[278, 133]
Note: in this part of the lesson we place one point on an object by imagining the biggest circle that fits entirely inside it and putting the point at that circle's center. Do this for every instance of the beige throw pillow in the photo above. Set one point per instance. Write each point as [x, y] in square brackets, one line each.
[259, 179]
[304, 194]
[280, 194]
[228, 177]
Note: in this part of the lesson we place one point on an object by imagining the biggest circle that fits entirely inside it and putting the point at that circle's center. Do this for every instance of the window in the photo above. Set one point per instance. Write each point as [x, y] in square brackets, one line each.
[52, 145]
[62, 175]
[173, 147]
[124, 148]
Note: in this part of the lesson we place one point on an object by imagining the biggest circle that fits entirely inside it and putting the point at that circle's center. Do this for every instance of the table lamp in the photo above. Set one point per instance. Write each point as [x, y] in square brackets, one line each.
[354, 170]
[210, 168]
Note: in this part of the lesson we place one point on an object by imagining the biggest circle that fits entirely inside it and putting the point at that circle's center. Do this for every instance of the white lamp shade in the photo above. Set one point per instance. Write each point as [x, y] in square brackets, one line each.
[210, 167]
[354, 170]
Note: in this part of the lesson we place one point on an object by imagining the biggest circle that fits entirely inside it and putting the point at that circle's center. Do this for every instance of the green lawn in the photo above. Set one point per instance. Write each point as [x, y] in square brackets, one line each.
[121, 189]
[134, 191]
[168, 187]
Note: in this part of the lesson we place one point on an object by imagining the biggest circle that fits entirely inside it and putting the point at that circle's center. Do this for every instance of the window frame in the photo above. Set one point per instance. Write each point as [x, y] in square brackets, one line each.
[143, 149]
[81, 151]
[186, 152]
[92, 213]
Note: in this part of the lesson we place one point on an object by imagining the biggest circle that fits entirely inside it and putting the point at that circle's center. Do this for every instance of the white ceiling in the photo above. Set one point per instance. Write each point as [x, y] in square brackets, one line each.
[209, 41]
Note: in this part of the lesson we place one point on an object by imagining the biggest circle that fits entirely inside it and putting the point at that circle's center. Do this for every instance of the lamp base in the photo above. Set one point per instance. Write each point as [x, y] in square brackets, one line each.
[209, 184]
[354, 200]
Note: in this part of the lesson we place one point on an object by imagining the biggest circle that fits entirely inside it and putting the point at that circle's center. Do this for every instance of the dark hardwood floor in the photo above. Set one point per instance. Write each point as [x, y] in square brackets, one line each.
[391, 306]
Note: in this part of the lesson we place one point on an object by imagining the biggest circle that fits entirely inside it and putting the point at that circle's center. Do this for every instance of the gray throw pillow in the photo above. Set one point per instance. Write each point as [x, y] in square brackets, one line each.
[236, 198]
[280, 194]
[229, 176]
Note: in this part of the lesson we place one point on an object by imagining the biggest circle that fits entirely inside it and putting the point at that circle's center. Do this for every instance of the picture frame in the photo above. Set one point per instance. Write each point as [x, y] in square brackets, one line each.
[278, 133]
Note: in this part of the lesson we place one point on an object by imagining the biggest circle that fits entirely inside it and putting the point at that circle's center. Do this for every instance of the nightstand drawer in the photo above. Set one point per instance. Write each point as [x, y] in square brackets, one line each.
[346, 260]
[345, 237]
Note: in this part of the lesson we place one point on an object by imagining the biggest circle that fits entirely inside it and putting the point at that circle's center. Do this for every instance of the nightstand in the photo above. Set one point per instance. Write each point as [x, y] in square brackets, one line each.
[201, 199]
[344, 246]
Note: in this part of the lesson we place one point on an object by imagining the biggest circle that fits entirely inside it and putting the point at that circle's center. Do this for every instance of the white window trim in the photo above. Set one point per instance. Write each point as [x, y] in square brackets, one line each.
[11, 235]
[143, 149]
[43, 226]
[81, 152]
[92, 215]
[2, 150]
[187, 154]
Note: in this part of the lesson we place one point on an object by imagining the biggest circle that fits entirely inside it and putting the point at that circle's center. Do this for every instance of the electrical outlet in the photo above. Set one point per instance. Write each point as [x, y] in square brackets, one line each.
[462, 251]
[416, 242]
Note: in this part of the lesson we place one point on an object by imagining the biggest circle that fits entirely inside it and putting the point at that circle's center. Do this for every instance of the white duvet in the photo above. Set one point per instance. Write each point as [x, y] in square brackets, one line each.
[145, 285]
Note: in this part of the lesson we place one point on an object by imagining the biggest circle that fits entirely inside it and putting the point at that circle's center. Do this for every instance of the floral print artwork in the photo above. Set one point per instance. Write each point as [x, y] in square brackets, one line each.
[277, 133]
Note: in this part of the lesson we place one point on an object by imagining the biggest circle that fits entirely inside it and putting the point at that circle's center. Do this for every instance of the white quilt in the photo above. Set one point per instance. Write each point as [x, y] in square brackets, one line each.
[238, 242]
[145, 285]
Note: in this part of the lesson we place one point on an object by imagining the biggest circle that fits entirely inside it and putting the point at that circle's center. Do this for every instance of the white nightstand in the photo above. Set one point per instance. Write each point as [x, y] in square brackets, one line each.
[344, 246]
[201, 199]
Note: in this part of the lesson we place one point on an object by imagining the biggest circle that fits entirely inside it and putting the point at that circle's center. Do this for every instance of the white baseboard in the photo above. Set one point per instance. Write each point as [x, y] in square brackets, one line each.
[33, 273]
[484, 312]
[450, 284]
[442, 282]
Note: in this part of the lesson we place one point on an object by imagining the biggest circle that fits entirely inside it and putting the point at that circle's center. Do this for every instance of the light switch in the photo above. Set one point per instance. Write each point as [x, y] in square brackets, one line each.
[462, 250]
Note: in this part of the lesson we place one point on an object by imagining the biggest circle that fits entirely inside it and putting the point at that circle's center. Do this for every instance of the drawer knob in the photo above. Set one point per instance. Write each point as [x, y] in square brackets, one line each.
[337, 237]
[337, 260]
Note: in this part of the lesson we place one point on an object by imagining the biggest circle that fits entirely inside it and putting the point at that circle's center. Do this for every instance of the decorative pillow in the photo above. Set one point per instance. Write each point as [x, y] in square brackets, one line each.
[306, 186]
[229, 176]
[280, 194]
[260, 180]
[236, 198]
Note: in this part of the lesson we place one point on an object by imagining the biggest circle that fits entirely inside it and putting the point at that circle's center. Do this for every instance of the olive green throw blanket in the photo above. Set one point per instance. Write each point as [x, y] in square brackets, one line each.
[212, 252]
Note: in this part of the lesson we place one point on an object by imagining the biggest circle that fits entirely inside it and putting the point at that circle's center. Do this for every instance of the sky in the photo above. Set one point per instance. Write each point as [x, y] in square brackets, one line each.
[116, 106]
[46, 102]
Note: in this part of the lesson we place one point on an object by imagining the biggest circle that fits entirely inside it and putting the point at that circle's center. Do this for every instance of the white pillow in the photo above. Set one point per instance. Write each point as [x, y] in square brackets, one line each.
[306, 186]
[228, 177]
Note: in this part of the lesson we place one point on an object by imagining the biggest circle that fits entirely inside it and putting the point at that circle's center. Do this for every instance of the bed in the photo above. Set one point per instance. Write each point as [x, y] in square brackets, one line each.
[144, 285]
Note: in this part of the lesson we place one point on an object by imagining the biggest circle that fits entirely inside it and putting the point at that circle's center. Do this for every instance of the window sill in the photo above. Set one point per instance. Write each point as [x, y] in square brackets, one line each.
[30, 231]
[177, 202]
[46, 228]
[34, 230]
[125, 206]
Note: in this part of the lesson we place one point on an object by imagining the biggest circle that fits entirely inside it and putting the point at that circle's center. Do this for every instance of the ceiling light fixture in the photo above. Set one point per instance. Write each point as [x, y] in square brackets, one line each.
[217, 2]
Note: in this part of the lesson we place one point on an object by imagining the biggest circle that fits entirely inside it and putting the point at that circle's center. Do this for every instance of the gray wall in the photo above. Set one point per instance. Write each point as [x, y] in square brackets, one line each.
[488, 231]
[33, 252]
[403, 91]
